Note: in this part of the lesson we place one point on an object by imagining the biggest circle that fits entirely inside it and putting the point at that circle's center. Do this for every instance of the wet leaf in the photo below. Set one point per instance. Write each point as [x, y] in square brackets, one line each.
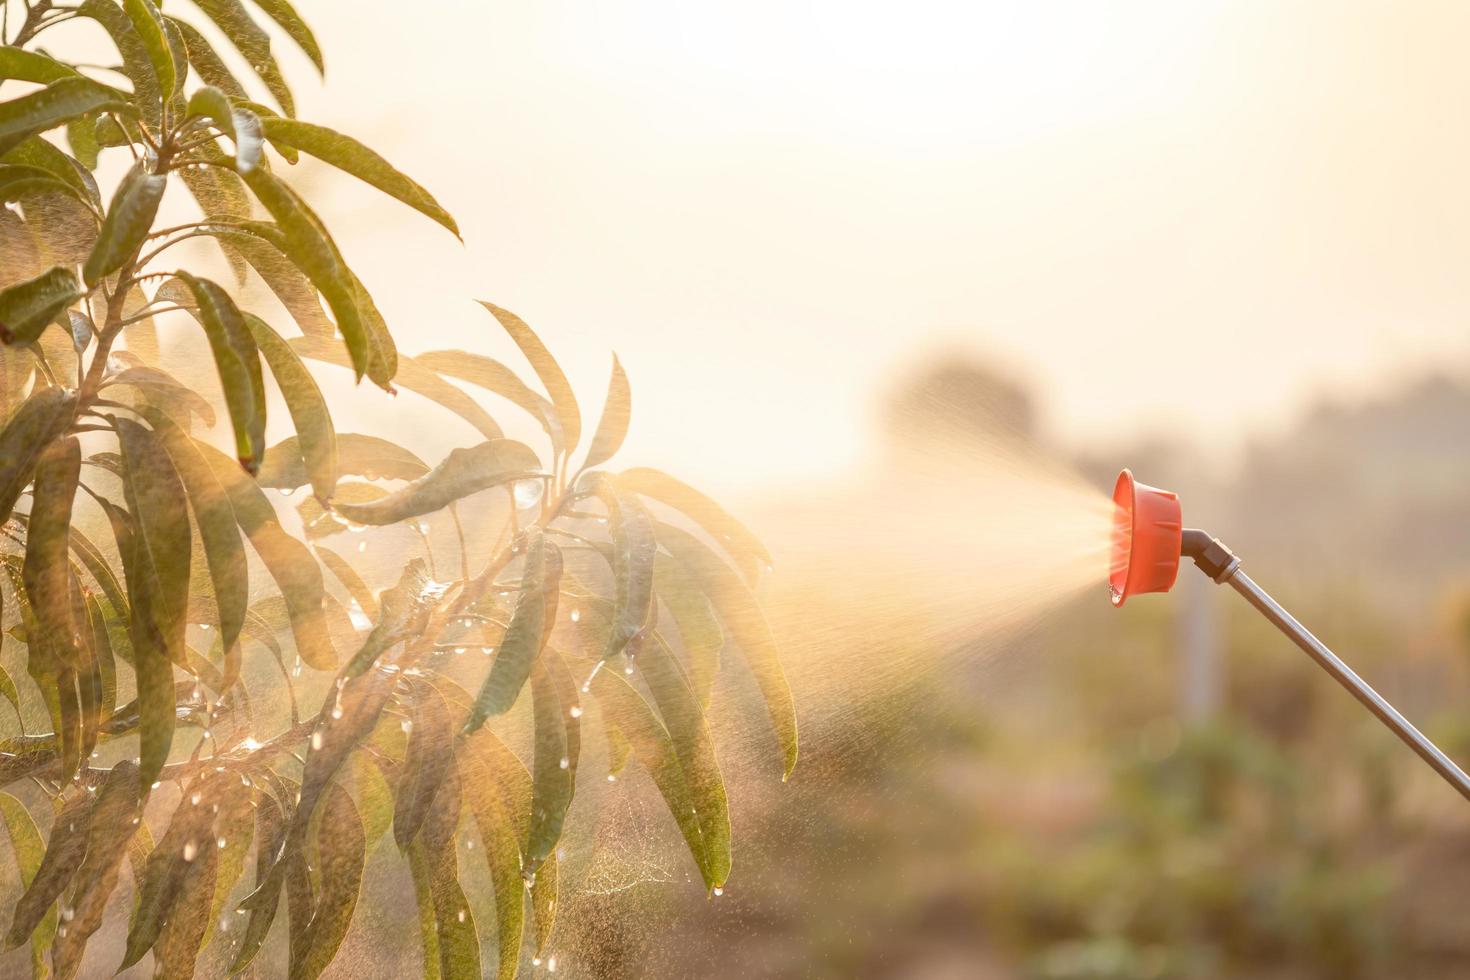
[430, 752]
[546, 369]
[495, 377]
[129, 219]
[177, 949]
[530, 626]
[700, 632]
[47, 570]
[350, 580]
[743, 618]
[316, 438]
[552, 780]
[613, 427]
[59, 102]
[633, 553]
[237, 360]
[499, 792]
[110, 831]
[357, 455]
[347, 154]
[32, 66]
[271, 829]
[456, 937]
[253, 43]
[64, 851]
[148, 25]
[26, 845]
[403, 613]
[42, 418]
[167, 392]
[286, 559]
[341, 856]
[296, 29]
[241, 125]
[147, 94]
[737, 540]
[28, 307]
[463, 472]
[206, 62]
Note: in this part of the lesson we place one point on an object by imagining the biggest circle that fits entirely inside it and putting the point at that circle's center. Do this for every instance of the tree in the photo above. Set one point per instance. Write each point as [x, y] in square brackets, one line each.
[141, 639]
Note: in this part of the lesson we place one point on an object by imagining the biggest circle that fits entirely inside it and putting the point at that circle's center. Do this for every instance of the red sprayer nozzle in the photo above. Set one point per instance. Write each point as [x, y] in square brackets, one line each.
[1147, 530]
[1149, 539]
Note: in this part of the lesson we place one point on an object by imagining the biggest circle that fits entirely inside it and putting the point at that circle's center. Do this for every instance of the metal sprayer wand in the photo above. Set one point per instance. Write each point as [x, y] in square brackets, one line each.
[1217, 561]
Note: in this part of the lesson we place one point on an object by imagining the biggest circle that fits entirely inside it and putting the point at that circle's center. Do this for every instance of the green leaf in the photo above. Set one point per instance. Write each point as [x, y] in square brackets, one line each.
[306, 242]
[351, 581]
[737, 540]
[552, 778]
[742, 616]
[456, 936]
[546, 368]
[81, 136]
[347, 154]
[58, 103]
[316, 438]
[206, 62]
[29, 851]
[530, 626]
[412, 376]
[32, 66]
[237, 360]
[430, 752]
[137, 65]
[633, 552]
[341, 856]
[613, 427]
[111, 830]
[26, 308]
[404, 614]
[41, 418]
[287, 560]
[177, 950]
[167, 392]
[499, 791]
[64, 852]
[253, 43]
[701, 818]
[241, 125]
[543, 901]
[700, 632]
[128, 221]
[357, 455]
[36, 151]
[47, 571]
[7, 688]
[296, 29]
[158, 583]
[463, 472]
[271, 829]
[495, 377]
[214, 515]
[148, 24]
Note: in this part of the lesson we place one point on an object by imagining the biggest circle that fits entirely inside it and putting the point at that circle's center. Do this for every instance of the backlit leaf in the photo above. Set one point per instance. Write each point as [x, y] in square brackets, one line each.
[737, 540]
[613, 427]
[495, 377]
[26, 308]
[341, 856]
[253, 43]
[129, 219]
[237, 359]
[148, 24]
[700, 632]
[357, 455]
[108, 836]
[57, 103]
[530, 626]
[207, 63]
[430, 752]
[41, 418]
[32, 66]
[290, 21]
[64, 852]
[634, 549]
[546, 369]
[463, 472]
[316, 438]
[47, 571]
[552, 777]
[137, 65]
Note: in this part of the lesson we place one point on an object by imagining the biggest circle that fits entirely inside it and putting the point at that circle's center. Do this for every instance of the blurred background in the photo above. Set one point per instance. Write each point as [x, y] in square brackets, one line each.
[1222, 244]
[861, 258]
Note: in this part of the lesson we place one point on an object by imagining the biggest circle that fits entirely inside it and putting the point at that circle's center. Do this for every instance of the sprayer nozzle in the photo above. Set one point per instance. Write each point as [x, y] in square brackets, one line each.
[1147, 529]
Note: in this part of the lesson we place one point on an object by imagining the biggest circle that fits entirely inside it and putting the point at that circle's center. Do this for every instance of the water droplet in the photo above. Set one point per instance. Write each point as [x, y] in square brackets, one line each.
[565, 762]
[576, 615]
[221, 843]
[205, 626]
[469, 845]
[459, 649]
[628, 670]
[287, 491]
[316, 741]
[68, 914]
[296, 668]
[487, 650]
[190, 850]
[460, 916]
[336, 711]
[528, 493]
[612, 778]
[156, 784]
[551, 965]
[361, 547]
[576, 711]
[535, 961]
[719, 892]
[196, 798]
[407, 725]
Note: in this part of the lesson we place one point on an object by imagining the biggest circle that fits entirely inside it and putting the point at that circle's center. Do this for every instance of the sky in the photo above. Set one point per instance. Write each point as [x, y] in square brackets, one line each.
[1185, 219]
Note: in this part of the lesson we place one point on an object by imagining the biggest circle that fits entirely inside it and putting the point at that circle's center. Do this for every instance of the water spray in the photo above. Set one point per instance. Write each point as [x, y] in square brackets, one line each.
[1149, 538]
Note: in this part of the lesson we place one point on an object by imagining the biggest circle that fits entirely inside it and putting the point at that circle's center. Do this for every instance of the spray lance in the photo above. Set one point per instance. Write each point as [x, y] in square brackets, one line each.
[1149, 538]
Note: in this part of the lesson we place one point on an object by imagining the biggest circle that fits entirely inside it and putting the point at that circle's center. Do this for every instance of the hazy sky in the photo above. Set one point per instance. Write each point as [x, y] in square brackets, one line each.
[1179, 217]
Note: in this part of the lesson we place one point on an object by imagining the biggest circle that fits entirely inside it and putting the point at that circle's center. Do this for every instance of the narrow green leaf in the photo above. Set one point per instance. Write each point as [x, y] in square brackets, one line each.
[742, 616]
[357, 455]
[457, 937]
[430, 752]
[58, 103]
[286, 559]
[341, 857]
[700, 633]
[43, 417]
[530, 626]
[111, 829]
[147, 94]
[347, 154]
[403, 613]
[613, 427]
[270, 828]
[81, 136]
[317, 439]
[32, 66]
[552, 779]
[241, 125]
[214, 515]
[546, 369]
[26, 845]
[499, 791]
[237, 359]
[463, 472]
[129, 219]
[64, 852]
[28, 307]
[7, 688]
[350, 580]
[47, 571]
[148, 24]
[207, 63]
[737, 540]
[167, 392]
[633, 553]
[253, 43]
[296, 29]
[495, 377]
[413, 377]
[38, 152]
[177, 949]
